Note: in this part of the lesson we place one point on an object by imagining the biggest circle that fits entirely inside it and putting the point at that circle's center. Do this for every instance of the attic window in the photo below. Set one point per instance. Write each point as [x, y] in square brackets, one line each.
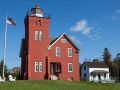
[84, 67]
[64, 40]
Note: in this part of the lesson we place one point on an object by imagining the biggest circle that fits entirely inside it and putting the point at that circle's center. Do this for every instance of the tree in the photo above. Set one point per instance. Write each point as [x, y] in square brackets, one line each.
[118, 65]
[113, 68]
[95, 60]
[16, 71]
[1, 69]
[106, 56]
[87, 60]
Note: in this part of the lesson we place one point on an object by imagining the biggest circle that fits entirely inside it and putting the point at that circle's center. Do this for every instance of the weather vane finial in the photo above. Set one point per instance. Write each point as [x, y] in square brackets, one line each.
[37, 6]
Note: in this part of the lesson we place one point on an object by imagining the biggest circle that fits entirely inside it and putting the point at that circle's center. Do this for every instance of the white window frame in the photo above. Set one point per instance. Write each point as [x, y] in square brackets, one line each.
[40, 66]
[36, 35]
[57, 67]
[63, 40]
[69, 68]
[69, 52]
[36, 66]
[57, 51]
[41, 35]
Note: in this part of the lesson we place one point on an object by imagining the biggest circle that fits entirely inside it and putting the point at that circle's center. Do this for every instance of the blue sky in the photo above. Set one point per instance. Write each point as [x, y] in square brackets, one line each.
[92, 24]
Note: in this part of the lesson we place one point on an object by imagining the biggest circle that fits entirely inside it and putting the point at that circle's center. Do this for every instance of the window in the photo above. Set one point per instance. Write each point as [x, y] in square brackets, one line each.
[70, 67]
[41, 35]
[69, 52]
[84, 75]
[36, 35]
[84, 67]
[64, 40]
[36, 66]
[57, 67]
[40, 67]
[57, 51]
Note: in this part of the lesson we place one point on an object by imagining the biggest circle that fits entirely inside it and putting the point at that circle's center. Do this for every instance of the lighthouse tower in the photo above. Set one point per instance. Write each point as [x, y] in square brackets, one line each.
[36, 43]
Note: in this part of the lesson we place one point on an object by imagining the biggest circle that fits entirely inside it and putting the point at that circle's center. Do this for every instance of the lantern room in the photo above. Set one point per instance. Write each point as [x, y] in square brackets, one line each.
[37, 11]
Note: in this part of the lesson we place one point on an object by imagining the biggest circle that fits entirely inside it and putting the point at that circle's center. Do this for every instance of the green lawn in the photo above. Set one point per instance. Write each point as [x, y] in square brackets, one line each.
[57, 85]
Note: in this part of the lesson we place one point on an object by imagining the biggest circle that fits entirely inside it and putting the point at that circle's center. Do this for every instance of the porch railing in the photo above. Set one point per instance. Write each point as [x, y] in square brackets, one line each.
[105, 80]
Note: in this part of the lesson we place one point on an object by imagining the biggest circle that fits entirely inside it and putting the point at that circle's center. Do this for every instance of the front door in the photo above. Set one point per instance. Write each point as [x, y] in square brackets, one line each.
[51, 69]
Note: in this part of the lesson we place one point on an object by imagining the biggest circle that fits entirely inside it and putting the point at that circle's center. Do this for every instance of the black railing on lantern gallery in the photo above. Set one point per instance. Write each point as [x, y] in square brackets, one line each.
[29, 13]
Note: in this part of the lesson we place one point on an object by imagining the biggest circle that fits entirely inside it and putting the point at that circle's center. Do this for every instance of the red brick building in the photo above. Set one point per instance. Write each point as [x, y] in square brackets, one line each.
[43, 57]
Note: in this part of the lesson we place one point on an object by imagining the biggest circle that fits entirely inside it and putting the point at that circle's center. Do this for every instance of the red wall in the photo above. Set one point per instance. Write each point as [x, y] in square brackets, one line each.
[64, 59]
[37, 50]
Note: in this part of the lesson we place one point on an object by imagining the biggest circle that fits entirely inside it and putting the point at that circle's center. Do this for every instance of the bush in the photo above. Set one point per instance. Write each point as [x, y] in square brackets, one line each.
[84, 79]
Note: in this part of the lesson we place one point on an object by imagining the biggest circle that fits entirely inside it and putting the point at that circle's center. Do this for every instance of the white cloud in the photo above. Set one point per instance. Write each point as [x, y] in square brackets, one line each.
[114, 18]
[118, 11]
[97, 36]
[86, 31]
[91, 37]
[74, 39]
[81, 26]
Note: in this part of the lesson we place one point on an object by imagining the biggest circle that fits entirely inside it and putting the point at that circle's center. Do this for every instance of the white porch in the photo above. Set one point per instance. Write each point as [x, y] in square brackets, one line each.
[99, 76]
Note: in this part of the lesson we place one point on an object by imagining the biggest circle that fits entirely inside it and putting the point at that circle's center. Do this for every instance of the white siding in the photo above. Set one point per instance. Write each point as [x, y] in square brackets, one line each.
[89, 70]
[96, 77]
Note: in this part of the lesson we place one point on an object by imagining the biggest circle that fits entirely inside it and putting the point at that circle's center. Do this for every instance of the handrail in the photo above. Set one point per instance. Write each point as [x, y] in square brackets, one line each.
[29, 13]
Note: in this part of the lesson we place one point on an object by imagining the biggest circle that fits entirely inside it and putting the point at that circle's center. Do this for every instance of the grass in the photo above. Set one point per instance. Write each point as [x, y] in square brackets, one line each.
[57, 85]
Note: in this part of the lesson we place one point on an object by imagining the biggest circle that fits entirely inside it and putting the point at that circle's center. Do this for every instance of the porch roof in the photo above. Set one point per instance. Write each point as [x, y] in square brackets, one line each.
[99, 71]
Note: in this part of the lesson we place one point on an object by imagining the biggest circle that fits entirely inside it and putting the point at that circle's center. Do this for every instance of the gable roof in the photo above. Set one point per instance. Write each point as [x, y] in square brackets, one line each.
[96, 64]
[52, 42]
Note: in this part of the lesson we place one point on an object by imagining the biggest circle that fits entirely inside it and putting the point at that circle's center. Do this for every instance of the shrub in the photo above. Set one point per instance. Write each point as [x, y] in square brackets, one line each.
[84, 79]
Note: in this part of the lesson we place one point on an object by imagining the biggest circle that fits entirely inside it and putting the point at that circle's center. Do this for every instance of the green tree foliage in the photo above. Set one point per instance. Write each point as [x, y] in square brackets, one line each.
[95, 60]
[106, 56]
[113, 68]
[1, 69]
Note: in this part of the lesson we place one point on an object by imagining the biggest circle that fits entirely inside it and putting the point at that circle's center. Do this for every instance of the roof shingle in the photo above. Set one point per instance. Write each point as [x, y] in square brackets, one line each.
[96, 65]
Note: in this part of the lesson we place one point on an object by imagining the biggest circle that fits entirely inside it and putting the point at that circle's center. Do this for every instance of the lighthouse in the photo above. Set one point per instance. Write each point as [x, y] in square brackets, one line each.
[36, 43]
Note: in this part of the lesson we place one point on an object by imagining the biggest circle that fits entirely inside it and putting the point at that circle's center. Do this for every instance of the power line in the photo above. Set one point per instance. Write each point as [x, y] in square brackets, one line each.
[13, 59]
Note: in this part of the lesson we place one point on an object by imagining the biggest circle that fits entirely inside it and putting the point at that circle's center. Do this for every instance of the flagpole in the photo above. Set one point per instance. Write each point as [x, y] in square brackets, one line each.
[5, 46]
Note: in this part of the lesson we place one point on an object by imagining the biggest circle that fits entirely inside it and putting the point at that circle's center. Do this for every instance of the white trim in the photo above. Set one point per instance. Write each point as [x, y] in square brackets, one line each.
[68, 67]
[59, 50]
[71, 52]
[36, 33]
[40, 64]
[55, 41]
[40, 35]
[58, 67]
[36, 64]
